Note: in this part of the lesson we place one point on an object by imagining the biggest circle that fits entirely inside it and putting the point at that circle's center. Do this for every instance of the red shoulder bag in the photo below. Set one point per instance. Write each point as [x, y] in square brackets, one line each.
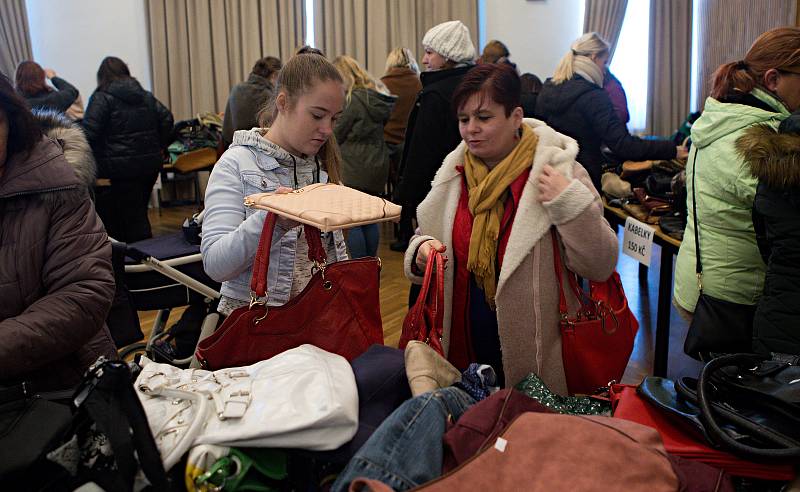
[425, 321]
[597, 343]
[338, 311]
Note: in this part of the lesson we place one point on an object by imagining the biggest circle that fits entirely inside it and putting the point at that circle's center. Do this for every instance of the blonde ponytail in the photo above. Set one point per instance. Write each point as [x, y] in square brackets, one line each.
[581, 51]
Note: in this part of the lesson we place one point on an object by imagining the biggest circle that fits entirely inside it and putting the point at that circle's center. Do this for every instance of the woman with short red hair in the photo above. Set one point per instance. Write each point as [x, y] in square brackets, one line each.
[491, 209]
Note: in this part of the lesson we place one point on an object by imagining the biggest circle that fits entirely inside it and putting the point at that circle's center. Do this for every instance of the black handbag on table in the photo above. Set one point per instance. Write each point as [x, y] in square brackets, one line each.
[718, 326]
[742, 403]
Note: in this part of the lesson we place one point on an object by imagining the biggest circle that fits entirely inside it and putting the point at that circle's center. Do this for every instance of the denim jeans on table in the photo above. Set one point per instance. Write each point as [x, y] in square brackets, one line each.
[406, 450]
[363, 241]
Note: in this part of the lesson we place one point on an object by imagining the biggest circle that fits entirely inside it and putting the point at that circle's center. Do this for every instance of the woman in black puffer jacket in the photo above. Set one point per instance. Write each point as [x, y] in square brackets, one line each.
[573, 102]
[127, 128]
[774, 159]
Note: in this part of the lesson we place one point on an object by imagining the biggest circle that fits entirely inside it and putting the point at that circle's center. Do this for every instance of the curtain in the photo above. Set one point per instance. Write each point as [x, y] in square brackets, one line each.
[201, 48]
[15, 37]
[368, 30]
[670, 67]
[722, 41]
[605, 17]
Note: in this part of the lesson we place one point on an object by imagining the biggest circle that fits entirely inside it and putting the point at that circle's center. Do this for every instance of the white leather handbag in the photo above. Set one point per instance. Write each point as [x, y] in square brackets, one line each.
[302, 398]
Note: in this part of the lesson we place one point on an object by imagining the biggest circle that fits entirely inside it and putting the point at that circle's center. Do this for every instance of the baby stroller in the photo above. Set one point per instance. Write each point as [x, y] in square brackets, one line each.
[164, 273]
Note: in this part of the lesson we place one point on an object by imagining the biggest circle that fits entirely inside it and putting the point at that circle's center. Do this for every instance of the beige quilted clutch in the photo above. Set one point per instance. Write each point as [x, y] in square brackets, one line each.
[327, 206]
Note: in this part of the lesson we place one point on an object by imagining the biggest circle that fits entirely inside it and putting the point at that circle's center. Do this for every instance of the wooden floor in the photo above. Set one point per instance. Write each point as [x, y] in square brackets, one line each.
[641, 291]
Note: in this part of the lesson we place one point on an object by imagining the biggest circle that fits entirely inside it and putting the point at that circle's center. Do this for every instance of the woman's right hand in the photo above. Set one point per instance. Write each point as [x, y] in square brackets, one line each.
[682, 152]
[424, 251]
[49, 73]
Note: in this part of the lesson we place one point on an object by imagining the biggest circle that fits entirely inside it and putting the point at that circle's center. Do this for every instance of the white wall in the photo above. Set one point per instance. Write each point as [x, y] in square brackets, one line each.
[537, 32]
[73, 36]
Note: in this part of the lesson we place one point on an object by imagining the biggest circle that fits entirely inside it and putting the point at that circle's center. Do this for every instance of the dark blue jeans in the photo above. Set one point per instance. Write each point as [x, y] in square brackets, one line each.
[363, 241]
[406, 450]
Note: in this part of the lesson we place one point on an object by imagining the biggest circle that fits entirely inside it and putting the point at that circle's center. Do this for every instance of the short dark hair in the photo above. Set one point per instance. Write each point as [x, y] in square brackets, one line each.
[111, 69]
[531, 84]
[23, 130]
[497, 80]
[309, 50]
[267, 66]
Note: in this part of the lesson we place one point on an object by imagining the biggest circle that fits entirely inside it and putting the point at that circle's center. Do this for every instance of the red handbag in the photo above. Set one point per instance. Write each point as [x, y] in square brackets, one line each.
[596, 344]
[338, 311]
[425, 321]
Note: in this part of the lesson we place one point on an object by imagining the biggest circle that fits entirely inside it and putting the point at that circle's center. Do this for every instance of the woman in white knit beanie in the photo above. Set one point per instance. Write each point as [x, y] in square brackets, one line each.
[447, 45]
[432, 130]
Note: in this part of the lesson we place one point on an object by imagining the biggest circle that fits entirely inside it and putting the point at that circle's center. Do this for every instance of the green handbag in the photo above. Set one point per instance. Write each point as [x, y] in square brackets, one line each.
[246, 469]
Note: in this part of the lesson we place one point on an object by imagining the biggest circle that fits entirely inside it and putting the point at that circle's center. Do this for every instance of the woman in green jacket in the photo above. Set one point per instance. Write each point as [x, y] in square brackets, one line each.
[365, 156]
[764, 88]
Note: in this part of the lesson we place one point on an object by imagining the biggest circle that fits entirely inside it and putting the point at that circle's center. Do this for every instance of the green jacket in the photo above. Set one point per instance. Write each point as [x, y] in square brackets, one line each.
[359, 132]
[732, 266]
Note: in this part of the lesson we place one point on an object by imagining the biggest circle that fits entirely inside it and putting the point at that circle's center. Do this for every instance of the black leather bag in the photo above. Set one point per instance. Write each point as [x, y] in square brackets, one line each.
[718, 326]
[764, 399]
[741, 403]
[104, 407]
[30, 425]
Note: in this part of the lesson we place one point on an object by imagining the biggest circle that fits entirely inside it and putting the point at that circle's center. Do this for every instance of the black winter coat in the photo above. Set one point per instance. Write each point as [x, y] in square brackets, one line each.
[127, 128]
[431, 134]
[775, 160]
[583, 111]
[59, 100]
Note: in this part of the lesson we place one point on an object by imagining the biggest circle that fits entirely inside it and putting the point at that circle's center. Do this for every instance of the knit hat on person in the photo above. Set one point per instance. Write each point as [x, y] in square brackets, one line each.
[451, 40]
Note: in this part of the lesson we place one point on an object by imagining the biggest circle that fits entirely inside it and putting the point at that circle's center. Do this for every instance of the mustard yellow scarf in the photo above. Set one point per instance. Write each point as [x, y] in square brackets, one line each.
[488, 190]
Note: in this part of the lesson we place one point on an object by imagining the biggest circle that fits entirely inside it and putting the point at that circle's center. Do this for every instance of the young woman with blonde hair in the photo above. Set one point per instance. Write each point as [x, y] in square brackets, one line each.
[359, 132]
[574, 103]
[296, 149]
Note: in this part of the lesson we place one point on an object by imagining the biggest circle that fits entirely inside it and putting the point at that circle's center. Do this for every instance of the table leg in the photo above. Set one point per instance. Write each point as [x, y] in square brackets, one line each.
[663, 314]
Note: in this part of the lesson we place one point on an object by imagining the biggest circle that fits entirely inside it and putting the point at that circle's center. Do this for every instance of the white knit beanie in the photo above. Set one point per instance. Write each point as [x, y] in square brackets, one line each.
[451, 40]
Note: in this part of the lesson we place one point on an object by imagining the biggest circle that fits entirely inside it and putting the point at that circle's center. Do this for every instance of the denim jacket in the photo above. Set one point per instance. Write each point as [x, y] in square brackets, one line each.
[231, 231]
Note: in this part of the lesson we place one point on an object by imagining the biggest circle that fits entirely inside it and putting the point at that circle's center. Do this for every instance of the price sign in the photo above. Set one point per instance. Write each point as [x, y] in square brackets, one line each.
[638, 240]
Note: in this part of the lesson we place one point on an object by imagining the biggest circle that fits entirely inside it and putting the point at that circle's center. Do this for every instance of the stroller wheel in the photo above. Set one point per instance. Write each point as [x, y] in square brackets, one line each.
[129, 352]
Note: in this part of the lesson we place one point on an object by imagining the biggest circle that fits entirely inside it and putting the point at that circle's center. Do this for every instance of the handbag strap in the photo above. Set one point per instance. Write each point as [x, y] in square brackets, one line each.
[258, 282]
[432, 295]
[790, 450]
[562, 299]
[698, 266]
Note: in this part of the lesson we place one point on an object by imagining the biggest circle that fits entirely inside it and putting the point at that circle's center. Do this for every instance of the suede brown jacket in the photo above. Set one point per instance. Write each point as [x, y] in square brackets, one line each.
[56, 280]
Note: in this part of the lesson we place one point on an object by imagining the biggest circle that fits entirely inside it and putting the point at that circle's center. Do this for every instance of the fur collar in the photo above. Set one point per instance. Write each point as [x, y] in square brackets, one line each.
[73, 142]
[774, 158]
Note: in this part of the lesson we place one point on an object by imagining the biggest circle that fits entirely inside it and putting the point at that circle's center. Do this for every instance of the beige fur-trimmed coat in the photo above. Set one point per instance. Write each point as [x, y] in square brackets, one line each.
[527, 291]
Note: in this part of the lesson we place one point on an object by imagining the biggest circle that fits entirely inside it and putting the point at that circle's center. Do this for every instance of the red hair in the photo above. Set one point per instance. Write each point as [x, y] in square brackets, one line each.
[499, 81]
[30, 80]
[778, 48]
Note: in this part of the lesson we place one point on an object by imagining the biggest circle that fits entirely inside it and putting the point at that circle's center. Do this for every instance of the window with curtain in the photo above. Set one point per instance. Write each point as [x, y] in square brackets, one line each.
[631, 61]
